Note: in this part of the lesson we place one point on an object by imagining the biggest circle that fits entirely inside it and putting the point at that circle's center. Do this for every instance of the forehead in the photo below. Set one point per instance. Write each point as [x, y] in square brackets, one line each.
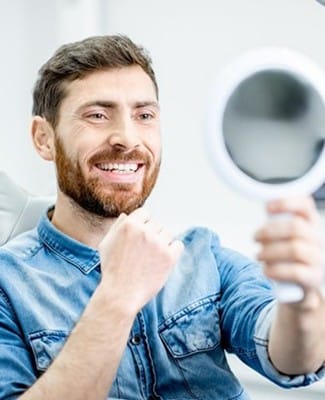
[131, 84]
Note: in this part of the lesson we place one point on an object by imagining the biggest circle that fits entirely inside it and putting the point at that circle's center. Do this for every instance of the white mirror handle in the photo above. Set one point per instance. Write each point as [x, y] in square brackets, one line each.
[286, 292]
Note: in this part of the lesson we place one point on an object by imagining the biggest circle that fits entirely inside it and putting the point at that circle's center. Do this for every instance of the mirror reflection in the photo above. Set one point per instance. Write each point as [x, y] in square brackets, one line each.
[273, 126]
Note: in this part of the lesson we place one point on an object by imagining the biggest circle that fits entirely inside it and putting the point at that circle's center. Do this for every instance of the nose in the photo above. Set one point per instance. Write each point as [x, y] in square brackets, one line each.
[124, 134]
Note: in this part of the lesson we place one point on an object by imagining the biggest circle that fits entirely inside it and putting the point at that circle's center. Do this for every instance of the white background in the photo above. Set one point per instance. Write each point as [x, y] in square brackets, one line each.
[189, 41]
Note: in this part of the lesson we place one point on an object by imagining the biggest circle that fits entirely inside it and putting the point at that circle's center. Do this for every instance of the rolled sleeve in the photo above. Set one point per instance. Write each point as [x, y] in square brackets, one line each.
[261, 339]
[16, 369]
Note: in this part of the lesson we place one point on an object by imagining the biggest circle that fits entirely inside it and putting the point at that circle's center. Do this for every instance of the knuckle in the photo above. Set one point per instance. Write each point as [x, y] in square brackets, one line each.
[130, 227]
[316, 256]
[310, 202]
[297, 274]
[296, 251]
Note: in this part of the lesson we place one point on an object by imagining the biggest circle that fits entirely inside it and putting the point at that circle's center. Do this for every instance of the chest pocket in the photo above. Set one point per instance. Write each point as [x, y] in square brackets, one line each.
[192, 338]
[46, 345]
[194, 329]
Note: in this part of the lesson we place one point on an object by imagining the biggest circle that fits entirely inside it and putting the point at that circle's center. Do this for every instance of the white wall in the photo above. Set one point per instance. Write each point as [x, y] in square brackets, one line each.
[189, 42]
[30, 31]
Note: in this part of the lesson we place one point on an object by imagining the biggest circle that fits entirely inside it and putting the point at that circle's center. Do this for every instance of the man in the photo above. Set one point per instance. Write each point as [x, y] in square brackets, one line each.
[100, 301]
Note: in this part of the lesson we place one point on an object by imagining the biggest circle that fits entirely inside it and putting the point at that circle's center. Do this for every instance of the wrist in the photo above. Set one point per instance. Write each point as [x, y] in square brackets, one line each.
[313, 301]
[114, 301]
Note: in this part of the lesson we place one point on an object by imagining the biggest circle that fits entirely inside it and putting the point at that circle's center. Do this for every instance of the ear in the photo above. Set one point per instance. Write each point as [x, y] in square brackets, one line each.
[43, 137]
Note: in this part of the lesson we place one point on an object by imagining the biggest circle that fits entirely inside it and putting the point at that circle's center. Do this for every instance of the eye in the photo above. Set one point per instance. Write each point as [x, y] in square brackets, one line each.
[146, 116]
[97, 115]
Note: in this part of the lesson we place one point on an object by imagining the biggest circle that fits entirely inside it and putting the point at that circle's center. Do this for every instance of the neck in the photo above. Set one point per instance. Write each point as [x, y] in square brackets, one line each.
[78, 223]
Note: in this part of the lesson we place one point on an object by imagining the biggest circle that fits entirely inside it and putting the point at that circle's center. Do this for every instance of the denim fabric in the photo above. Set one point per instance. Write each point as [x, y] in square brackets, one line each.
[214, 300]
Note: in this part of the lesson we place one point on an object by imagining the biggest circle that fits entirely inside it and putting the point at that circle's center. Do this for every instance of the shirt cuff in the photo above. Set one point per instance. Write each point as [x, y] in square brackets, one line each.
[261, 338]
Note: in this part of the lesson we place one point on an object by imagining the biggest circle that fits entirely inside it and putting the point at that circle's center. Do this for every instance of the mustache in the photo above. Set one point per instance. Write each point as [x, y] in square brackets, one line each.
[115, 155]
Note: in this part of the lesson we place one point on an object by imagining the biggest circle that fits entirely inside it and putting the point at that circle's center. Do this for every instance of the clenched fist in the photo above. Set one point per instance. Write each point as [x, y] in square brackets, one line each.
[137, 255]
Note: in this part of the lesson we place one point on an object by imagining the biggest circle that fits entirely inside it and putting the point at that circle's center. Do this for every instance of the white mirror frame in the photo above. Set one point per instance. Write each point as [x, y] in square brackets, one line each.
[250, 63]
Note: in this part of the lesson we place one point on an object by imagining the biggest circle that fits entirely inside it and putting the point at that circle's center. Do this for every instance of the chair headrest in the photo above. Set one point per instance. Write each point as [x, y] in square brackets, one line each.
[19, 211]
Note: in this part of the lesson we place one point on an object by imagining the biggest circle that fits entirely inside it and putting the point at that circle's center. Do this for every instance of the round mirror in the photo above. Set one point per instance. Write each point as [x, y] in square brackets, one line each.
[266, 126]
[266, 129]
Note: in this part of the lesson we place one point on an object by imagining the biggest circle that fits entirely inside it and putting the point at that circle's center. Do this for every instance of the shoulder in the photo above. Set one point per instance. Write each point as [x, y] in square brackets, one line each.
[21, 247]
[20, 261]
[202, 237]
[203, 241]
[198, 235]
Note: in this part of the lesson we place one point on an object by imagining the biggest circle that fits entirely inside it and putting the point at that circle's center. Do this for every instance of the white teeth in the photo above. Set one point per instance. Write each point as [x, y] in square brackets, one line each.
[120, 168]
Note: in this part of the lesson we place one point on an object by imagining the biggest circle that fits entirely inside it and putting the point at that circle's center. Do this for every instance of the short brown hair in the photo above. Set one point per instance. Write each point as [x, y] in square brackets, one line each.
[75, 60]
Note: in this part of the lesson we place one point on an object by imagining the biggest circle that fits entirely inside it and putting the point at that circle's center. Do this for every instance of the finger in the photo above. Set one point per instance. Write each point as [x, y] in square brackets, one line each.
[165, 237]
[140, 215]
[291, 251]
[118, 222]
[296, 227]
[119, 219]
[302, 206]
[154, 226]
[305, 276]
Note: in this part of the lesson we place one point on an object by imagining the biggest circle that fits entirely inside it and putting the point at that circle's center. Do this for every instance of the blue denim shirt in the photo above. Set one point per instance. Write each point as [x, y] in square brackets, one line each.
[214, 300]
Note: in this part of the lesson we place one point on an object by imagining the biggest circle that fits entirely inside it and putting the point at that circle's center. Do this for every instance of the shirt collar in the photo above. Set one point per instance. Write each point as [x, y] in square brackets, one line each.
[78, 254]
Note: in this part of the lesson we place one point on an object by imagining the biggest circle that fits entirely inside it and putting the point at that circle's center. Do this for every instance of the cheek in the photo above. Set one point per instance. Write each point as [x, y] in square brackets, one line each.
[81, 159]
[68, 155]
[154, 143]
[158, 154]
[79, 150]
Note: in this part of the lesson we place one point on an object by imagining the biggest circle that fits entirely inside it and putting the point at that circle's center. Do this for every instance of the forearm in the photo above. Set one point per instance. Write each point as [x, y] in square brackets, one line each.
[87, 364]
[297, 343]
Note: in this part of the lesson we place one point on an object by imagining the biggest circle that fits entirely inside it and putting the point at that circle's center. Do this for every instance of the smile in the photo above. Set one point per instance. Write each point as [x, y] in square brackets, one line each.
[120, 168]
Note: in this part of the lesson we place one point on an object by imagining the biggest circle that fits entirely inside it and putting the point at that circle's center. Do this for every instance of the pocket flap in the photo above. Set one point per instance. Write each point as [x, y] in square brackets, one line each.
[46, 345]
[193, 329]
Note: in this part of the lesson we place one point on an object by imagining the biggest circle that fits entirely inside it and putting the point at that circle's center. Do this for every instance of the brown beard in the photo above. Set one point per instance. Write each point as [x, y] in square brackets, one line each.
[90, 194]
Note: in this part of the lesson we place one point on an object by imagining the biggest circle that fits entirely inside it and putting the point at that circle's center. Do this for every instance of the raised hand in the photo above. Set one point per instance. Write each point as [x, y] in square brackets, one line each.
[292, 249]
[137, 255]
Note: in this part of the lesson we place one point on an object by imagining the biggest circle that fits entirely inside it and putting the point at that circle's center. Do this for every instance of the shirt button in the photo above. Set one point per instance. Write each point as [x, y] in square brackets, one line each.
[136, 339]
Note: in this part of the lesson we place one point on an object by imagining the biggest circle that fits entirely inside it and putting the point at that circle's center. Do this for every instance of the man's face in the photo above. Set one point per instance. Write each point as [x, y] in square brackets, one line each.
[107, 141]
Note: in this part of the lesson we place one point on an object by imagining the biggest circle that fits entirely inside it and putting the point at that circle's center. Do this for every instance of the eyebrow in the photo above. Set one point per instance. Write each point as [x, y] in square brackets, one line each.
[112, 104]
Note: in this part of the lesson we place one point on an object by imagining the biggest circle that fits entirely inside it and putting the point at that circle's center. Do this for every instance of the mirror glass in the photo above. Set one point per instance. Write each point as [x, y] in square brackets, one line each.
[273, 126]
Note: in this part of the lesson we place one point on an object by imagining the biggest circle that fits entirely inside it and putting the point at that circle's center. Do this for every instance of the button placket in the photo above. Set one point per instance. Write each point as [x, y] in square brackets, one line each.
[135, 340]
[138, 343]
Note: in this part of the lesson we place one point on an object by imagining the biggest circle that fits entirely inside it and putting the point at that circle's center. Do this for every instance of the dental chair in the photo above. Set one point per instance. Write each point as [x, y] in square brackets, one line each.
[19, 211]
